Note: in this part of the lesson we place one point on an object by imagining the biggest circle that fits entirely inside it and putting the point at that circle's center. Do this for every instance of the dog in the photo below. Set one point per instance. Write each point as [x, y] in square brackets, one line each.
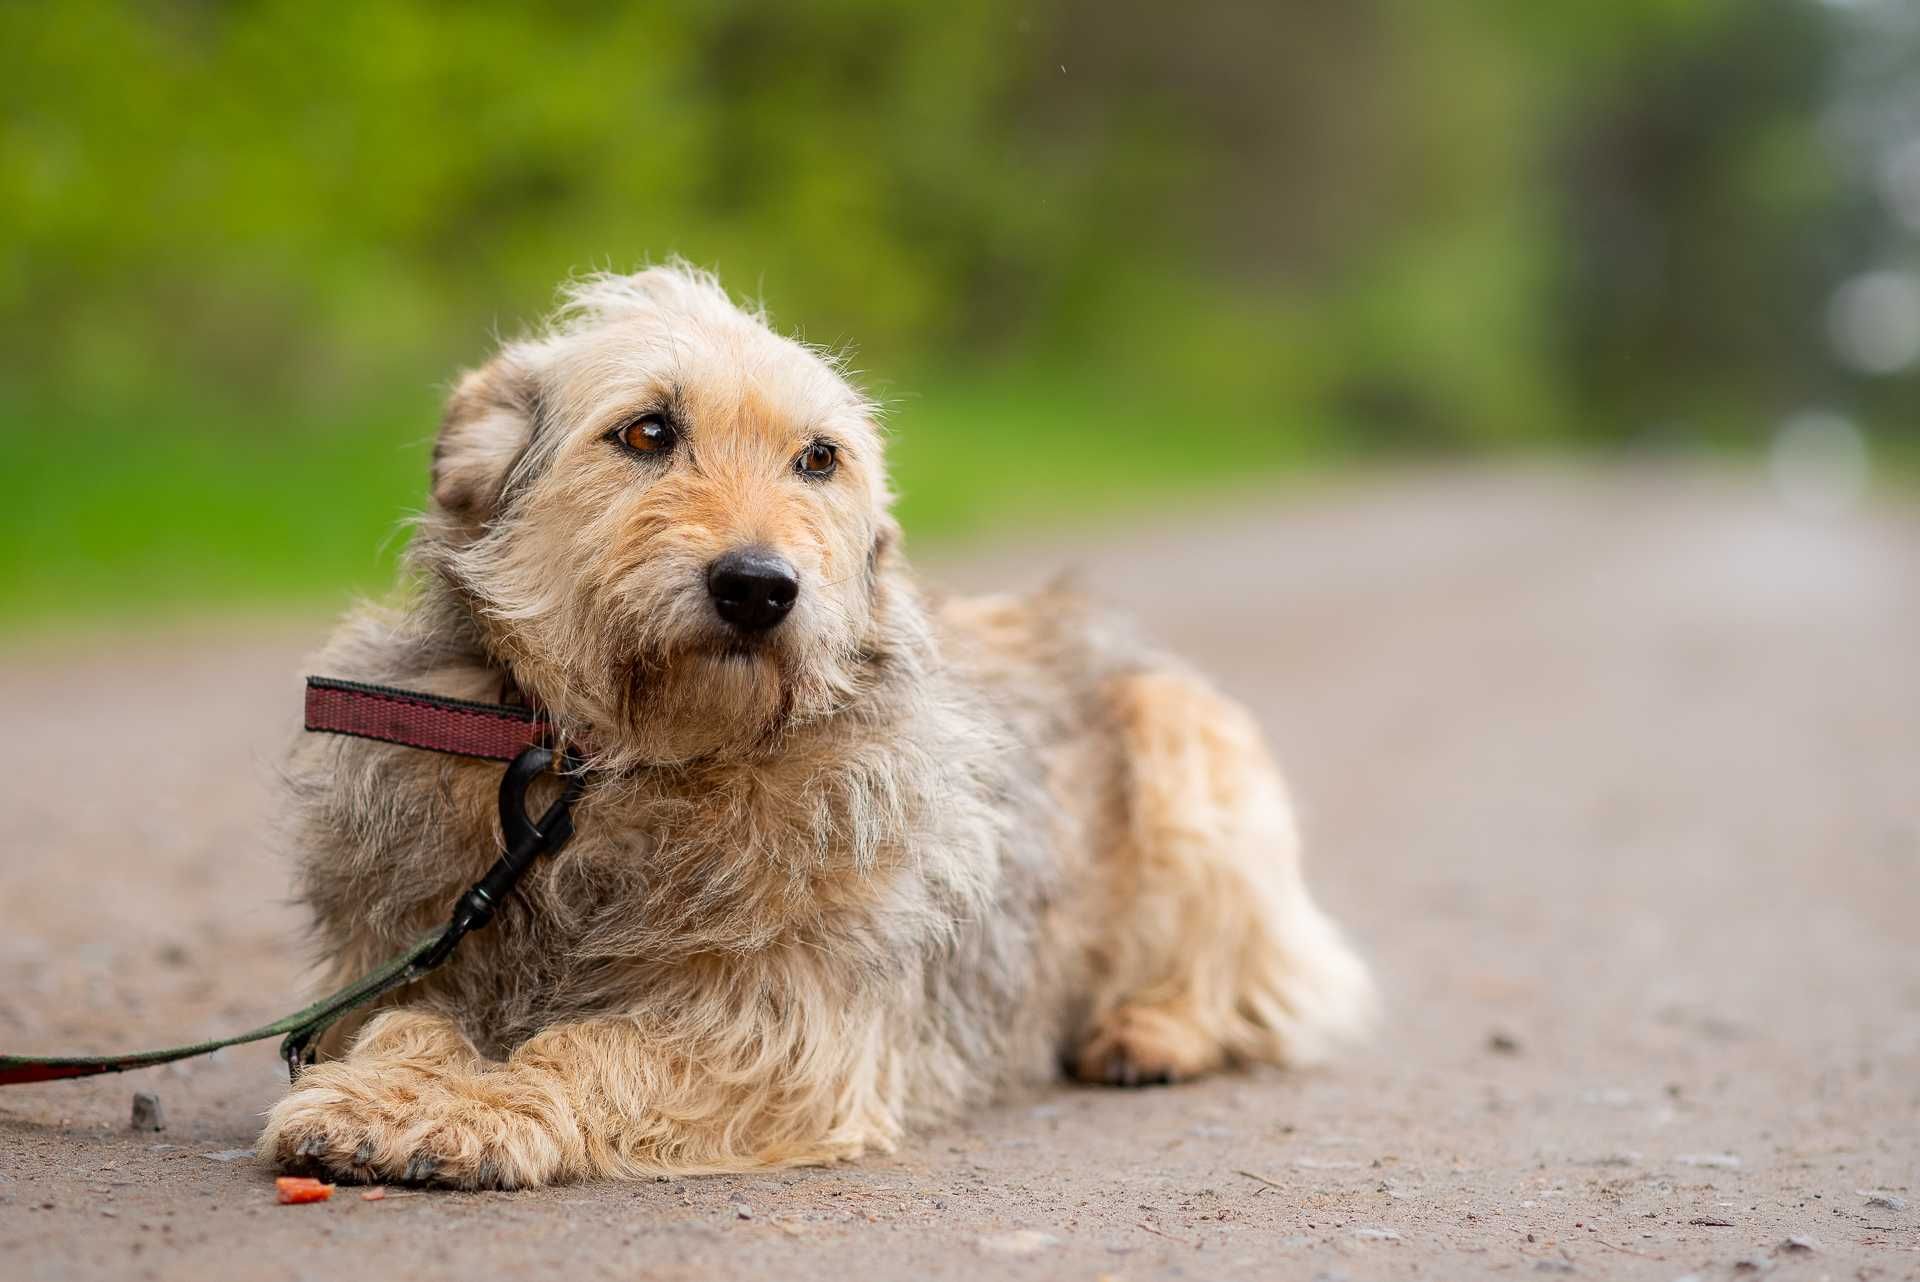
[850, 858]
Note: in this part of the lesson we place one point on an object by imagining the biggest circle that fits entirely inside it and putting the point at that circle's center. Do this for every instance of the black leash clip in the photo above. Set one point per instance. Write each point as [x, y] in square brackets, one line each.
[525, 841]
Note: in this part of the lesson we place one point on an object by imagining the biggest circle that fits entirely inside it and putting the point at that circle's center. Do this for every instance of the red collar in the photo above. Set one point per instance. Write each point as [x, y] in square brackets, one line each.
[496, 731]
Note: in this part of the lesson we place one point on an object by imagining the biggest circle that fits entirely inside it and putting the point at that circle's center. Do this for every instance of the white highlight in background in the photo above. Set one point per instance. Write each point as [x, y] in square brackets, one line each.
[1819, 463]
[1900, 179]
[1874, 321]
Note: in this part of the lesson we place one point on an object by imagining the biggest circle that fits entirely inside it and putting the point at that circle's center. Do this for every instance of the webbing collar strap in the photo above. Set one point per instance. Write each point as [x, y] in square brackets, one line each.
[496, 731]
[520, 736]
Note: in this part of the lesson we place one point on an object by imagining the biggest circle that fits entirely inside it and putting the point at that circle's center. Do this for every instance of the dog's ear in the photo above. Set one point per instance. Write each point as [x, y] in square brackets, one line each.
[489, 421]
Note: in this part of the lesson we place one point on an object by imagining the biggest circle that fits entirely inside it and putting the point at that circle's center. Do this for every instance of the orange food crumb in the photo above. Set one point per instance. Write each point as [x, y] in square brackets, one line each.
[295, 1189]
[378, 1193]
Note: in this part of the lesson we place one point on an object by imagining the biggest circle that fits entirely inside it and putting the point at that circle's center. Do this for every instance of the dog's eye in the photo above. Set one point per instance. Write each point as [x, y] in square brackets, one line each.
[817, 459]
[649, 434]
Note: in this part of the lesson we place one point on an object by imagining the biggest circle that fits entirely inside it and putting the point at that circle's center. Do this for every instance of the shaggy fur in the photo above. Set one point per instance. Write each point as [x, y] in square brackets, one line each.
[901, 857]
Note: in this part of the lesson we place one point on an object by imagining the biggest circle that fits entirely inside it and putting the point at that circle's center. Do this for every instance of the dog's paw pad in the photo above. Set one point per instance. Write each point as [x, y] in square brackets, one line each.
[1124, 1070]
[420, 1169]
[1121, 1067]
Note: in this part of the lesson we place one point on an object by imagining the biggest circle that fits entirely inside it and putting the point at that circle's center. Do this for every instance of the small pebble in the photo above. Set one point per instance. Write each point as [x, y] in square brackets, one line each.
[1376, 1235]
[1799, 1244]
[742, 1211]
[1712, 1221]
[146, 1112]
[1887, 1201]
[1503, 1043]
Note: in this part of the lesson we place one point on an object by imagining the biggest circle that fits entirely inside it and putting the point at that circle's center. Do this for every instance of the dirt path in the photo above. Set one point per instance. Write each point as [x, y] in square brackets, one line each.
[1617, 780]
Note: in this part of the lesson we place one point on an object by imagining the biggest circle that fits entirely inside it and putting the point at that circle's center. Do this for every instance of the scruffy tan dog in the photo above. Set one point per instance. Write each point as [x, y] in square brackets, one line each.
[847, 860]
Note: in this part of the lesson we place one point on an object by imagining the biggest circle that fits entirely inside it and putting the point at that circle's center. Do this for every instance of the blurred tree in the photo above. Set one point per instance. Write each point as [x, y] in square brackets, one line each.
[1699, 211]
[1476, 223]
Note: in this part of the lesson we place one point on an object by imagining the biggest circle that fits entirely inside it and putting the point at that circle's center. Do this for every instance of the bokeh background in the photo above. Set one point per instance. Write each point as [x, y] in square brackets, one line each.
[1095, 254]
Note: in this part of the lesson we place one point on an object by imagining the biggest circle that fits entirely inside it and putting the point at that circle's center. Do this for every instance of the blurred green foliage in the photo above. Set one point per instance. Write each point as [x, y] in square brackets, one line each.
[1091, 252]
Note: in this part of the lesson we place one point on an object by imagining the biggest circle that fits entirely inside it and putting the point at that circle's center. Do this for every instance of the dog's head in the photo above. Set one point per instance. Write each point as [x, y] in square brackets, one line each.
[670, 520]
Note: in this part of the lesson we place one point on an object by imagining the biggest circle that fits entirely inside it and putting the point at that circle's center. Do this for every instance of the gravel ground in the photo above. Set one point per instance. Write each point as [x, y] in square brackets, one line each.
[1617, 778]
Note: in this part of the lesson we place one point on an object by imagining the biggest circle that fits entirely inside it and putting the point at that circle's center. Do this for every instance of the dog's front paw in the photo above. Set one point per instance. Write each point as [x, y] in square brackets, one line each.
[368, 1122]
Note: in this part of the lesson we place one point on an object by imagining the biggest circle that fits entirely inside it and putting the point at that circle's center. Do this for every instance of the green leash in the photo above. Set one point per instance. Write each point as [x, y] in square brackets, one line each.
[299, 1029]
[525, 842]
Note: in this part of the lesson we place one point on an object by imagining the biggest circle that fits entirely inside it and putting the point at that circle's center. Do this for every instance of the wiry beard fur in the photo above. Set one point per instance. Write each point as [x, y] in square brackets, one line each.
[635, 665]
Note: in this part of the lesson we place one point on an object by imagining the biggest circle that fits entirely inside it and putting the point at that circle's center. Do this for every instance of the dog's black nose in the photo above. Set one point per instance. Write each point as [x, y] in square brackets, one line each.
[753, 588]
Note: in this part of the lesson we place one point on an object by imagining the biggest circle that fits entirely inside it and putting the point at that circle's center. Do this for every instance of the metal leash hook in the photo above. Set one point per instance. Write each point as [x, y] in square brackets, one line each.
[525, 842]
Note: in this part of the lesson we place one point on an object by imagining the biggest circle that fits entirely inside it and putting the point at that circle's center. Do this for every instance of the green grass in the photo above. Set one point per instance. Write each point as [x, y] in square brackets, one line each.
[158, 510]
[142, 512]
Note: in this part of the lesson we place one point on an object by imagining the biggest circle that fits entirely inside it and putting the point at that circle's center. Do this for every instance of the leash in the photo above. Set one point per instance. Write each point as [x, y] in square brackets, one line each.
[519, 736]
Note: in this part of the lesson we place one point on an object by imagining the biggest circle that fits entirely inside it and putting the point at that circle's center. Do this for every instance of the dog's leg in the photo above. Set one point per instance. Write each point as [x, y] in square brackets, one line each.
[596, 1099]
[1213, 952]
